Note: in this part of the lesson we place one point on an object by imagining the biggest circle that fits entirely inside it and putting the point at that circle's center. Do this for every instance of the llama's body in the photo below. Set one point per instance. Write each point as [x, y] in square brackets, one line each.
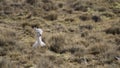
[39, 38]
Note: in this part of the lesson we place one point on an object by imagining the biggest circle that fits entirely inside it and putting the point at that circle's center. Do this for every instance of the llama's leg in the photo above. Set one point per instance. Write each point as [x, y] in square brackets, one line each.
[36, 44]
[41, 42]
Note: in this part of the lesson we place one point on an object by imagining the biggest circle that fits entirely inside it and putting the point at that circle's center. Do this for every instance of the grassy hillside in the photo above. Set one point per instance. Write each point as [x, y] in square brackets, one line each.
[77, 33]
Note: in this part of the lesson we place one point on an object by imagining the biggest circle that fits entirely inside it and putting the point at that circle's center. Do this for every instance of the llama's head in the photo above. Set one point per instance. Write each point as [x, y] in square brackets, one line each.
[38, 31]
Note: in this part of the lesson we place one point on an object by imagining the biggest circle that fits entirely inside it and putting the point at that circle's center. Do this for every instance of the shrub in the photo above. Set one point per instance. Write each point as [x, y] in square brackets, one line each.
[115, 8]
[101, 9]
[49, 6]
[30, 24]
[69, 19]
[98, 49]
[51, 17]
[89, 27]
[96, 18]
[109, 56]
[84, 34]
[77, 50]
[113, 30]
[60, 5]
[78, 6]
[108, 14]
[32, 2]
[117, 41]
[8, 10]
[85, 17]
[46, 1]
[58, 42]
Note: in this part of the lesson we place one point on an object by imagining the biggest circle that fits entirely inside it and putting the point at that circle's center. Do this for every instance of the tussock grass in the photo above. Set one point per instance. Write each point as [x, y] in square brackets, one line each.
[5, 63]
[57, 42]
[45, 63]
[7, 37]
[113, 30]
[98, 48]
[77, 33]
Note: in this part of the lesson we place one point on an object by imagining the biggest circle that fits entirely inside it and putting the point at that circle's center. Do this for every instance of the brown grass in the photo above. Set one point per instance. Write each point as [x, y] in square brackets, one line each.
[77, 33]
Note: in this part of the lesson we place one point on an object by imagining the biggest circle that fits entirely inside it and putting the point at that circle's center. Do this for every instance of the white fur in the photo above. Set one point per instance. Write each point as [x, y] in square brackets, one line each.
[39, 38]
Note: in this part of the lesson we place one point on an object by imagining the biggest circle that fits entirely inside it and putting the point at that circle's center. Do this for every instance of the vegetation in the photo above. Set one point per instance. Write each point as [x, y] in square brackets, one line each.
[77, 33]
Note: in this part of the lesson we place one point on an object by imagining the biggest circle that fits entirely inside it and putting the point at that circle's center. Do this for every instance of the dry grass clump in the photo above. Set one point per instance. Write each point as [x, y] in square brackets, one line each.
[28, 30]
[113, 30]
[5, 63]
[96, 18]
[109, 56]
[32, 2]
[51, 61]
[101, 9]
[8, 7]
[58, 42]
[8, 10]
[87, 5]
[50, 16]
[49, 6]
[80, 5]
[85, 17]
[105, 53]
[83, 27]
[69, 19]
[115, 7]
[7, 40]
[7, 37]
[77, 51]
[108, 14]
[117, 40]
[98, 48]
[33, 24]
[44, 62]
[62, 43]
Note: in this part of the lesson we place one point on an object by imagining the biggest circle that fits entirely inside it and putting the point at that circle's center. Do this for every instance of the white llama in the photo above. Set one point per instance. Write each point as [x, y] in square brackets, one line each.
[39, 38]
